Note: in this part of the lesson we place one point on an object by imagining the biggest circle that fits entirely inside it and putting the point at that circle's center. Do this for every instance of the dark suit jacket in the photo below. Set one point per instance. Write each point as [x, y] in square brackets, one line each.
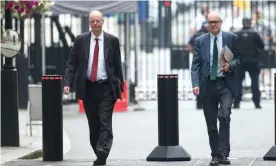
[77, 64]
[250, 45]
[200, 71]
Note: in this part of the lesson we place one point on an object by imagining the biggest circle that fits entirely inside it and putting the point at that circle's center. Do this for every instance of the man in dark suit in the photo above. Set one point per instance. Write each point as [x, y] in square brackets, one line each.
[216, 84]
[250, 45]
[95, 59]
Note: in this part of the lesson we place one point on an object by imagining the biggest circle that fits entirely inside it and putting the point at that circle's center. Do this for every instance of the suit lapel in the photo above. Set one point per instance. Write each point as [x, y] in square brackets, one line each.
[106, 42]
[87, 49]
[207, 46]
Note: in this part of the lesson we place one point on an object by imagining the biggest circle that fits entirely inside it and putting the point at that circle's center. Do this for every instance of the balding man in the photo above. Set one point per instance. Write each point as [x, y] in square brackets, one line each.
[95, 60]
[216, 84]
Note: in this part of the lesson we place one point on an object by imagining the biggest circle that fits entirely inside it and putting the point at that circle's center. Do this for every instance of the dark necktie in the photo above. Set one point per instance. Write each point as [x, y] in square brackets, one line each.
[94, 69]
[215, 61]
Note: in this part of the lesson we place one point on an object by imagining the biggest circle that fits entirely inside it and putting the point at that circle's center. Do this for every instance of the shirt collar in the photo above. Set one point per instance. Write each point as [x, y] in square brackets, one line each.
[218, 36]
[100, 37]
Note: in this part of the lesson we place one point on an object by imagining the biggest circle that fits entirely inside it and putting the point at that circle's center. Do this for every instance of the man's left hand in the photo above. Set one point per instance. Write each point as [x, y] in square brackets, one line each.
[225, 67]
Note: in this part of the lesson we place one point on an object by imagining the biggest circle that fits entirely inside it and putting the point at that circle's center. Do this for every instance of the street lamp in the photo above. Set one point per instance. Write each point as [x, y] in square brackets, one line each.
[10, 48]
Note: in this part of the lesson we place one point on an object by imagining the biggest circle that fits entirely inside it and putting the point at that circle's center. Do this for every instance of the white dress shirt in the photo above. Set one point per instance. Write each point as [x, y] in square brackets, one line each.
[101, 72]
[219, 46]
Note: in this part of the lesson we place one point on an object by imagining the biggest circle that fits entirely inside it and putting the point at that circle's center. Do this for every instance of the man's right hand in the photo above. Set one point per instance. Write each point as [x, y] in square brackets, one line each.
[196, 90]
[66, 90]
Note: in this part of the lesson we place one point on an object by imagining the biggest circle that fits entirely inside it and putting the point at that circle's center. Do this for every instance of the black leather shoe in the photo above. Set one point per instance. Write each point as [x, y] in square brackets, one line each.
[258, 107]
[101, 158]
[214, 161]
[224, 161]
[99, 162]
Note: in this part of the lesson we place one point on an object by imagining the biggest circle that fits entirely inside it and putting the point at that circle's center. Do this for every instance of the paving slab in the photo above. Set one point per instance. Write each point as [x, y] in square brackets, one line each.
[136, 132]
[124, 162]
[28, 144]
[136, 135]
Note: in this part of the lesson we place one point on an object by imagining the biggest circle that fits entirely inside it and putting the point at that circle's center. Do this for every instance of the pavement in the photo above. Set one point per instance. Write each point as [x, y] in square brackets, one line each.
[136, 135]
[28, 144]
[141, 162]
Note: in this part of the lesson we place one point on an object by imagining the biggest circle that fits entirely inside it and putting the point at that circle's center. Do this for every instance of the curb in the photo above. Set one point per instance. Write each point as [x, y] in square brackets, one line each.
[37, 151]
[33, 155]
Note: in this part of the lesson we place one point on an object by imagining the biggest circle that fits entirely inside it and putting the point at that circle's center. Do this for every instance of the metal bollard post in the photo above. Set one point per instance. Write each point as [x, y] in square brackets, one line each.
[271, 154]
[168, 148]
[52, 129]
[9, 106]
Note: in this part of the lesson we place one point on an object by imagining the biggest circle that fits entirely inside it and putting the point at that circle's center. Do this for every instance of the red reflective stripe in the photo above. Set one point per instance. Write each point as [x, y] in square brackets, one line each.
[52, 78]
[168, 76]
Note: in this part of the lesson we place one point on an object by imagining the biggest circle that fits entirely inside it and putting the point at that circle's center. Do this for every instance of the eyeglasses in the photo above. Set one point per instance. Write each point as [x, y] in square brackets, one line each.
[214, 22]
[95, 21]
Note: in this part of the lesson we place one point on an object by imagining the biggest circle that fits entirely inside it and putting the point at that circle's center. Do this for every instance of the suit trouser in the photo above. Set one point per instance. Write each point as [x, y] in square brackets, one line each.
[254, 72]
[217, 93]
[98, 104]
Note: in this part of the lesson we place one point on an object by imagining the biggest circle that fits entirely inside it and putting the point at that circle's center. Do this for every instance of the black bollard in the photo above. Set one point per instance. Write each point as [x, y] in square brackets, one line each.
[52, 129]
[271, 154]
[168, 148]
[9, 106]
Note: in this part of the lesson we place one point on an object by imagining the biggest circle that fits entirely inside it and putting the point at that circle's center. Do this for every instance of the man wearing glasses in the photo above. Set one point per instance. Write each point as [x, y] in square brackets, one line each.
[95, 60]
[216, 84]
